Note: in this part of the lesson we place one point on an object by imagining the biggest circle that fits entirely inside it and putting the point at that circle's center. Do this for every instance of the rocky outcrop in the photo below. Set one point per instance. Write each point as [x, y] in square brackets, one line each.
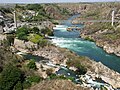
[109, 48]
[52, 53]
[24, 45]
[2, 37]
[95, 69]
[101, 71]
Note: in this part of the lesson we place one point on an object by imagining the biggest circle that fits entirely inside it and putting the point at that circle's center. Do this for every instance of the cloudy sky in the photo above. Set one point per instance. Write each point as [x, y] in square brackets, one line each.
[51, 1]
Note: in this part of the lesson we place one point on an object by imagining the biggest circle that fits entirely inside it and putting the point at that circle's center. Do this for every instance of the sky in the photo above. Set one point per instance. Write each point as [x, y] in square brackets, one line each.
[52, 1]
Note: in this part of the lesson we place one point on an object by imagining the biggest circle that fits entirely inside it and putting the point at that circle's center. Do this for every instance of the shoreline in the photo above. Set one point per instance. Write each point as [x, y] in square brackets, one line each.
[96, 70]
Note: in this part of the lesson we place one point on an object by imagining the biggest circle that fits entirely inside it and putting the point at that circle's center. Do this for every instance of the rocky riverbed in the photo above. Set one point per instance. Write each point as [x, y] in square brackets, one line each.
[94, 69]
[58, 56]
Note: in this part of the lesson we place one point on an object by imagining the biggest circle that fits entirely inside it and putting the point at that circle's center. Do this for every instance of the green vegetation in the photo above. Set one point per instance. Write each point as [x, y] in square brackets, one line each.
[34, 35]
[35, 7]
[103, 88]
[33, 79]
[15, 73]
[10, 76]
[22, 33]
[89, 39]
[32, 65]
[35, 38]
[47, 31]
[92, 14]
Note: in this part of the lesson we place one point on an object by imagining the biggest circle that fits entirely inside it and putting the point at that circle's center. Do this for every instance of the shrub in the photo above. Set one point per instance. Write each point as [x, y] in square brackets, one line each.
[22, 33]
[35, 30]
[34, 78]
[49, 71]
[18, 86]
[47, 31]
[35, 38]
[26, 84]
[43, 43]
[32, 65]
[89, 39]
[9, 77]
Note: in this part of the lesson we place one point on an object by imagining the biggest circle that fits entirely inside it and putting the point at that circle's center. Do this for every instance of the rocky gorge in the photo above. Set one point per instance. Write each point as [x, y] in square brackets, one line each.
[94, 69]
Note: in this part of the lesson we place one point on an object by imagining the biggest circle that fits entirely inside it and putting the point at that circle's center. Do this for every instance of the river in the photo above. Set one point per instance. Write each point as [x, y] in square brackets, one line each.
[71, 41]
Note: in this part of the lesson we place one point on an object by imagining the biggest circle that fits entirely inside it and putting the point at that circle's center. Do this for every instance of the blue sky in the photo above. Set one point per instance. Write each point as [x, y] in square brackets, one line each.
[50, 1]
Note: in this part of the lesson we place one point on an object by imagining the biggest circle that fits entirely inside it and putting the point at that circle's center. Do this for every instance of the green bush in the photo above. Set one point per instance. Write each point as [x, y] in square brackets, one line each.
[54, 76]
[32, 65]
[22, 33]
[18, 86]
[9, 77]
[35, 7]
[89, 39]
[47, 31]
[35, 30]
[26, 84]
[43, 43]
[34, 79]
[35, 38]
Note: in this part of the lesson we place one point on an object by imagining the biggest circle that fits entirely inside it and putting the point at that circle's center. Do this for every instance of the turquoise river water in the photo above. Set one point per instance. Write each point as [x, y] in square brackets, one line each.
[71, 41]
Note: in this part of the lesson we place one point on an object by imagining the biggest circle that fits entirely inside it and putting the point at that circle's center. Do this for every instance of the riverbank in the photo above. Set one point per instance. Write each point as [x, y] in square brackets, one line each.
[95, 70]
[60, 56]
[101, 39]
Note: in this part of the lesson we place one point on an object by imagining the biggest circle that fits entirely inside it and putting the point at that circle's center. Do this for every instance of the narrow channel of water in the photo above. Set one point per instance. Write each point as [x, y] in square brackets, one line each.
[71, 40]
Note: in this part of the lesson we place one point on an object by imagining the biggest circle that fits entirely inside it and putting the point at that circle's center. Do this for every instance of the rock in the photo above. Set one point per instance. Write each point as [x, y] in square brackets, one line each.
[24, 45]
[109, 76]
[52, 53]
[73, 68]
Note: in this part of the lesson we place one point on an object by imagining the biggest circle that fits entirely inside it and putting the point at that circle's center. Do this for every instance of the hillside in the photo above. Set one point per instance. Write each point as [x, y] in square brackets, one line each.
[102, 33]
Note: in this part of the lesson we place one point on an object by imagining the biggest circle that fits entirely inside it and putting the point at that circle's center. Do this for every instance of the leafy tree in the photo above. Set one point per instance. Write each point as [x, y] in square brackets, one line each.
[35, 30]
[35, 7]
[9, 77]
[22, 33]
[47, 31]
[18, 86]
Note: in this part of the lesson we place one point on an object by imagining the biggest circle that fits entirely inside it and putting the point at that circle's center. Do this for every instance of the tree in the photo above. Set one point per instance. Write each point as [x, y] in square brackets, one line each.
[35, 7]
[18, 86]
[9, 77]
[22, 33]
[47, 31]
[35, 30]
